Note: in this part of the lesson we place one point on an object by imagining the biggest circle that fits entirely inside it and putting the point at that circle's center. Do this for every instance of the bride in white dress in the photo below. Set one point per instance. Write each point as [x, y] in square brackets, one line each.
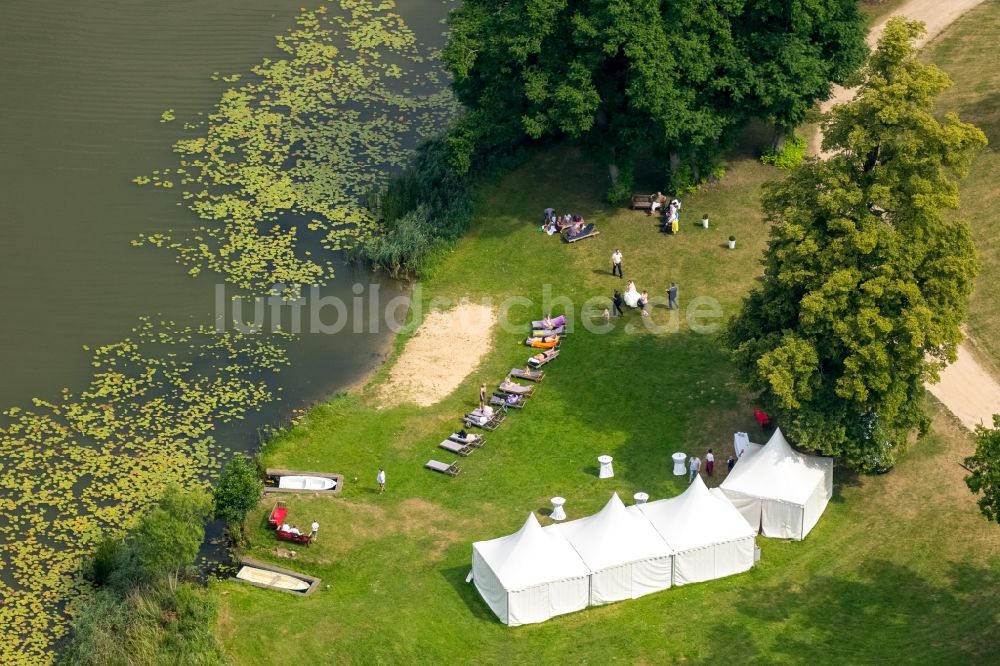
[631, 295]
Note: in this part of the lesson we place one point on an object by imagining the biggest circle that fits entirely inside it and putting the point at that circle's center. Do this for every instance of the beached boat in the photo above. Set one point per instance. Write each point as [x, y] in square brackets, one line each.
[306, 483]
[273, 579]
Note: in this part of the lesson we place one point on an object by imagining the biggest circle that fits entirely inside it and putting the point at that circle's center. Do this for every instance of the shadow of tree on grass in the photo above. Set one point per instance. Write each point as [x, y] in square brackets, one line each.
[829, 619]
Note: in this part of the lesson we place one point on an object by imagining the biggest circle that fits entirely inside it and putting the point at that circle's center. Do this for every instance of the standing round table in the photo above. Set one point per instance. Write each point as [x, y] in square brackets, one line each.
[607, 471]
[679, 469]
[558, 513]
[641, 498]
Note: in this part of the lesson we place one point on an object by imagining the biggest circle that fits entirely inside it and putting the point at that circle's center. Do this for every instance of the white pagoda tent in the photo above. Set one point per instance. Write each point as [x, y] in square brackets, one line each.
[625, 554]
[709, 536]
[530, 576]
[779, 490]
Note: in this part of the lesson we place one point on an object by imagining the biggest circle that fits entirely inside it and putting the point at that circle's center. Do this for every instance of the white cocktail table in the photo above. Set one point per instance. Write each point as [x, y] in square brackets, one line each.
[679, 469]
[607, 471]
[558, 513]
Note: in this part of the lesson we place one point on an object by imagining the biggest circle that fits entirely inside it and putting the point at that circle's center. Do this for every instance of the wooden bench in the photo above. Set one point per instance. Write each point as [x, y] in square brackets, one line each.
[642, 201]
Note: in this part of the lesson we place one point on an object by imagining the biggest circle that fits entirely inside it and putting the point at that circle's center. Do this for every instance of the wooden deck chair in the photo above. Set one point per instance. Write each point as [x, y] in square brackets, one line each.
[547, 332]
[516, 389]
[530, 375]
[538, 360]
[438, 466]
[472, 439]
[486, 422]
[455, 447]
[508, 400]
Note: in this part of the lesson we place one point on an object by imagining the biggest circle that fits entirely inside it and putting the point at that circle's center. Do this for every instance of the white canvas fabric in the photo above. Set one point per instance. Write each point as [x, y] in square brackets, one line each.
[626, 555]
[779, 490]
[530, 576]
[709, 536]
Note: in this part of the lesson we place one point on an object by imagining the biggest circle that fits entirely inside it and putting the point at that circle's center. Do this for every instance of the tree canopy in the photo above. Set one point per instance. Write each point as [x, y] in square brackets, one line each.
[237, 492]
[985, 469]
[865, 278]
[675, 76]
[167, 539]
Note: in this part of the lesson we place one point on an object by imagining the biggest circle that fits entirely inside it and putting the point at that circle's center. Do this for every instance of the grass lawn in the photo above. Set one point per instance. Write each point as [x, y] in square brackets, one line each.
[901, 569]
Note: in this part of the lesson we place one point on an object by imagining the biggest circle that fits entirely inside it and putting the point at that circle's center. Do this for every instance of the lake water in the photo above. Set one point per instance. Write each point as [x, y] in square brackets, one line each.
[83, 86]
[82, 89]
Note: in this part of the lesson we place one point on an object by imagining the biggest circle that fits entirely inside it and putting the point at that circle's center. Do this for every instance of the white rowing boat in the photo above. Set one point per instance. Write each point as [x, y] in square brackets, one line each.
[273, 579]
[306, 483]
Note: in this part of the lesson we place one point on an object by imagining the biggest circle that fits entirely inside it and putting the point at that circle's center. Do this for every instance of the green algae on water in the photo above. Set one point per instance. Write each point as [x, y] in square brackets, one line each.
[87, 464]
[276, 170]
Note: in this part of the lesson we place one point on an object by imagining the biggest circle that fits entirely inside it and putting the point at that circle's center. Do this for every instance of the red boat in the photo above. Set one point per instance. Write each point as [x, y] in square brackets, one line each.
[293, 537]
[277, 515]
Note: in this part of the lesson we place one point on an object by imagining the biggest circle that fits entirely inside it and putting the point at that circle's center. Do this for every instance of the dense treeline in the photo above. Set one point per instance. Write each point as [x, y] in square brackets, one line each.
[677, 79]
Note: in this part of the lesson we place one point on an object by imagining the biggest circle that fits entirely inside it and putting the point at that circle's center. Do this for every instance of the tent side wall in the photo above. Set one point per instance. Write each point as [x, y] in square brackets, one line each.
[489, 586]
[750, 507]
[781, 520]
[611, 584]
[539, 603]
[714, 561]
[652, 575]
[816, 504]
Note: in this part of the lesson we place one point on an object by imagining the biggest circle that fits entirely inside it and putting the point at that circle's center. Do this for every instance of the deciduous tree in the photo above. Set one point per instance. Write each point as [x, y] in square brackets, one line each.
[865, 277]
[237, 491]
[678, 77]
[985, 468]
[166, 540]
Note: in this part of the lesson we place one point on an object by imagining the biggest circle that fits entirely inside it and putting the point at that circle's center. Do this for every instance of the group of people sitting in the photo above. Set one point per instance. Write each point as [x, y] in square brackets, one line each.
[570, 224]
[632, 298]
[671, 214]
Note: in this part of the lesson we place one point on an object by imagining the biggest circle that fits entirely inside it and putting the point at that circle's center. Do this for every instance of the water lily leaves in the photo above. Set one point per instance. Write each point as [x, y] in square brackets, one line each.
[88, 463]
[301, 139]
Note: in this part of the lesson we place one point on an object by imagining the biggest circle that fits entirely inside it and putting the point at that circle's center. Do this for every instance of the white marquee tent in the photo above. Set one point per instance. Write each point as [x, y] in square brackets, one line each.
[710, 537]
[626, 555]
[779, 490]
[530, 576]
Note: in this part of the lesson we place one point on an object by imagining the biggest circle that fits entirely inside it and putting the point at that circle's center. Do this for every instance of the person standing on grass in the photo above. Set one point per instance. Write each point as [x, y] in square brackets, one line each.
[380, 478]
[693, 466]
[482, 396]
[616, 263]
[730, 464]
[672, 296]
[314, 530]
[709, 462]
[617, 302]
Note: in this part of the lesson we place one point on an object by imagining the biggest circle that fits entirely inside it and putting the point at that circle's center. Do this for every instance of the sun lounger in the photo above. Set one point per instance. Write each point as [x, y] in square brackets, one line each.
[472, 439]
[485, 421]
[587, 232]
[455, 447]
[516, 389]
[451, 470]
[530, 375]
[550, 342]
[509, 400]
[538, 360]
[546, 332]
[555, 322]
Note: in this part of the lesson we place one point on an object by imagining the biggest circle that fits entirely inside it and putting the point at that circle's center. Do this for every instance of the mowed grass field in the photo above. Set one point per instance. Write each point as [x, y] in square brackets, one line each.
[963, 52]
[901, 569]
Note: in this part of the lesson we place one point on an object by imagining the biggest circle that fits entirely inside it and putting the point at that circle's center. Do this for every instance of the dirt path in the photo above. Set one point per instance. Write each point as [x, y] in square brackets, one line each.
[936, 15]
[966, 388]
[968, 391]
